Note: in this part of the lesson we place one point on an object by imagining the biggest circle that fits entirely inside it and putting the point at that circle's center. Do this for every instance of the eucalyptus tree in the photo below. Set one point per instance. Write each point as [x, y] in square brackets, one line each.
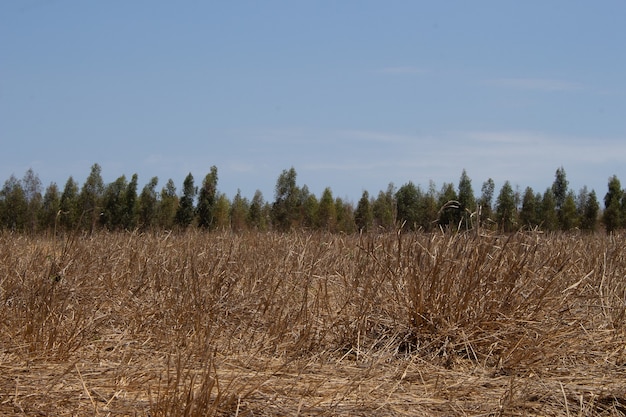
[167, 205]
[185, 212]
[363, 216]
[285, 210]
[384, 208]
[31, 184]
[90, 198]
[69, 215]
[612, 216]
[239, 211]
[50, 208]
[256, 215]
[327, 212]
[13, 205]
[207, 199]
[467, 201]
[589, 217]
[506, 212]
[147, 205]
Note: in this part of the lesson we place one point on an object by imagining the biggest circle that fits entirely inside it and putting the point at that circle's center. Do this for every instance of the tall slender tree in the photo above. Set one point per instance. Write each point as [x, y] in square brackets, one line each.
[559, 188]
[90, 198]
[467, 201]
[310, 209]
[129, 220]
[185, 212]
[222, 212]
[568, 216]
[485, 203]
[408, 203]
[363, 216]
[167, 206]
[327, 213]
[345, 216]
[548, 217]
[113, 204]
[32, 192]
[589, 218]
[239, 212]
[528, 214]
[506, 213]
[147, 205]
[207, 199]
[384, 208]
[256, 215]
[449, 209]
[70, 214]
[285, 210]
[612, 217]
[50, 208]
[13, 205]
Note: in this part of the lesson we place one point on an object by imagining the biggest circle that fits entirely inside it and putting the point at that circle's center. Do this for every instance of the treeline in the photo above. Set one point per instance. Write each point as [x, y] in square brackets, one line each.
[120, 205]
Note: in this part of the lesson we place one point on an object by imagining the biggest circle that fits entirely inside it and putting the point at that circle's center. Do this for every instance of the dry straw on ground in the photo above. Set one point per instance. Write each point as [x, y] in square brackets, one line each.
[312, 324]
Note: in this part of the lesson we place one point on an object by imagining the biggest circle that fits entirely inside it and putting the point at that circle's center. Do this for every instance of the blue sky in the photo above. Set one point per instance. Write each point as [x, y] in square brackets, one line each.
[353, 94]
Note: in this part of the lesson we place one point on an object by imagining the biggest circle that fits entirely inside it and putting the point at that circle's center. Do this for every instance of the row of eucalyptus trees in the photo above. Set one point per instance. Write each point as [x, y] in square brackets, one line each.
[121, 205]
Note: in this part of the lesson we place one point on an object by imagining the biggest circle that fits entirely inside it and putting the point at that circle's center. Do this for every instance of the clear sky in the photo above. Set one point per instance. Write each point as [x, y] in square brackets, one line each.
[352, 94]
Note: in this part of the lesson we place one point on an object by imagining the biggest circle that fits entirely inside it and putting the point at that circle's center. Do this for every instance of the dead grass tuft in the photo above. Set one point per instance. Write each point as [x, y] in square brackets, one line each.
[268, 324]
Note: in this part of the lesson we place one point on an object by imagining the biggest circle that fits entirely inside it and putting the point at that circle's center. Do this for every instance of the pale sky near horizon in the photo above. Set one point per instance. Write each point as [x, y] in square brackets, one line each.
[352, 94]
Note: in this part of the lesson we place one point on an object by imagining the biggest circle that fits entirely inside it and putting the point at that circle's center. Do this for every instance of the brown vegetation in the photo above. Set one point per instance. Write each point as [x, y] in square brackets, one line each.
[300, 324]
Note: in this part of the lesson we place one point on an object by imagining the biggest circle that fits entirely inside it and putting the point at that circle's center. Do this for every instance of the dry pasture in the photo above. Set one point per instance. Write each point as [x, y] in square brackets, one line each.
[264, 324]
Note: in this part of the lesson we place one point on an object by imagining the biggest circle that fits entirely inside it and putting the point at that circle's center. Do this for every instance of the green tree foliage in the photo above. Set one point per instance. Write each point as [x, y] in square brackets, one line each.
[222, 212]
[449, 208]
[117, 206]
[207, 200]
[114, 204]
[89, 199]
[363, 216]
[257, 218]
[529, 214]
[13, 205]
[612, 217]
[50, 208]
[185, 212]
[285, 210]
[327, 213]
[239, 211]
[384, 209]
[429, 208]
[408, 206]
[485, 201]
[32, 192]
[467, 201]
[506, 212]
[548, 217]
[70, 214]
[147, 205]
[568, 218]
[589, 218]
[345, 216]
[129, 219]
[310, 208]
[167, 206]
[559, 188]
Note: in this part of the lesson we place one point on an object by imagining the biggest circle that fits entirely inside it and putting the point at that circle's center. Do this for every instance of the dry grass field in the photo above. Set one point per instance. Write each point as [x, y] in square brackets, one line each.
[312, 324]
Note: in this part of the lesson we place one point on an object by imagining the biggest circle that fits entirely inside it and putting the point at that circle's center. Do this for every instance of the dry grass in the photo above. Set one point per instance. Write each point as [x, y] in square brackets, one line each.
[301, 324]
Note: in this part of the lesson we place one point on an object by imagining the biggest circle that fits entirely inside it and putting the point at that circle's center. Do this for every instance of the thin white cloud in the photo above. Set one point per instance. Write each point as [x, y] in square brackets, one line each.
[241, 166]
[539, 84]
[408, 70]
[373, 136]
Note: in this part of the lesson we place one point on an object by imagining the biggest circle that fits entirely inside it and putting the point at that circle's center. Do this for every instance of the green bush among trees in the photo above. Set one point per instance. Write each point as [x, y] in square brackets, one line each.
[26, 207]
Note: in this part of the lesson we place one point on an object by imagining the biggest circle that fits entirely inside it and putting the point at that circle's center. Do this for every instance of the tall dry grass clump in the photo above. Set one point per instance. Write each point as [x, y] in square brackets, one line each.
[285, 324]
